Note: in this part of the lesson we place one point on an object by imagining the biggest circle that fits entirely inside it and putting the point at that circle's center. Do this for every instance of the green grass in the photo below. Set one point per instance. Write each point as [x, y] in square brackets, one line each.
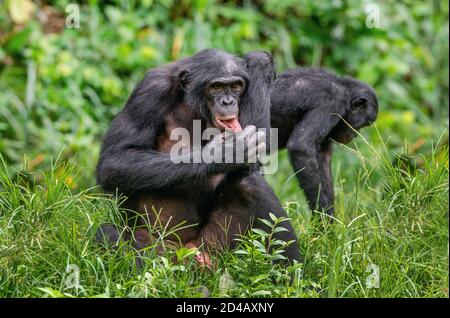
[62, 89]
[390, 215]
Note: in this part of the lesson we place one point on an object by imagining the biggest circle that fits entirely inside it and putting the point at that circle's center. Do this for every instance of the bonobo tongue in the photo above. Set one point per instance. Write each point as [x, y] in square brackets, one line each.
[232, 124]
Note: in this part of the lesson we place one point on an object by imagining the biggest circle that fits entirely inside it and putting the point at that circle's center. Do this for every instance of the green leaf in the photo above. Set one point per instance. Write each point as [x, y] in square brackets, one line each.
[266, 222]
[262, 293]
[184, 252]
[51, 292]
[21, 10]
[260, 232]
[18, 41]
[273, 217]
[280, 229]
[278, 257]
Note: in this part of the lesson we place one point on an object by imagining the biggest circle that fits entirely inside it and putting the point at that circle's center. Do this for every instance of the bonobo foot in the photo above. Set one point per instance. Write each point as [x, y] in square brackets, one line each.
[109, 236]
[203, 258]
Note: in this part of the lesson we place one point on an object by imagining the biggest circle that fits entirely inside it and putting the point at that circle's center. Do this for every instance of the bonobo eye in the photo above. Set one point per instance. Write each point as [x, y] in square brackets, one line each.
[359, 102]
[236, 87]
[216, 88]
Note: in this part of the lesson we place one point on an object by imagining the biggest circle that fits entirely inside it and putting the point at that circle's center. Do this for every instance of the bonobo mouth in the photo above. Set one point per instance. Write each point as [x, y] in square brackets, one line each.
[229, 122]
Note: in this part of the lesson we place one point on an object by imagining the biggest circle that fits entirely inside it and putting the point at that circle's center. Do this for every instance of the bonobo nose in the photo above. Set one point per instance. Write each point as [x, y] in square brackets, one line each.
[227, 101]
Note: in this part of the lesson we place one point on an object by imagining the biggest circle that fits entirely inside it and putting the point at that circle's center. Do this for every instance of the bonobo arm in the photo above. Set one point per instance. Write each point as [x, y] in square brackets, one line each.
[255, 108]
[310, 155]
[327, 191]
[127, 159]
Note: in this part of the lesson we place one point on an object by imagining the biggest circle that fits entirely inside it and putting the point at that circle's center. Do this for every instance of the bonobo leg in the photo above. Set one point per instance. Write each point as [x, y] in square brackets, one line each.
[310, 155]
[325, 155]
[239, 204]
[109, 236]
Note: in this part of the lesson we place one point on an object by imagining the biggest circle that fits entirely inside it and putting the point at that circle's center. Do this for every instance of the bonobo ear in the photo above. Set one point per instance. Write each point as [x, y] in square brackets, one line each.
[359, 102]
[184, 78]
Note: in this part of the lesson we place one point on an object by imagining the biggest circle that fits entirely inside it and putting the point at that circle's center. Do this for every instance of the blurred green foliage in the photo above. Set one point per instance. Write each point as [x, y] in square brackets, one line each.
[60, 87]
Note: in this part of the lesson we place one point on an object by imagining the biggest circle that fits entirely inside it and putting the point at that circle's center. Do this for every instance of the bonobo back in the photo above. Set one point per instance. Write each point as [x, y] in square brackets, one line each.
[311, 107]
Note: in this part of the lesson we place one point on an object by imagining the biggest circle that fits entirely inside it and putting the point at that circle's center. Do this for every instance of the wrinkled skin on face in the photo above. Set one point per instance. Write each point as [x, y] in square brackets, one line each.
[223, 97]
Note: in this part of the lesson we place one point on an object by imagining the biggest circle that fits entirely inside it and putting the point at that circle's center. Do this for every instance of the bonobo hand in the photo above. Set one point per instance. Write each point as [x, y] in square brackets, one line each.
[229, 151]
[262, 62]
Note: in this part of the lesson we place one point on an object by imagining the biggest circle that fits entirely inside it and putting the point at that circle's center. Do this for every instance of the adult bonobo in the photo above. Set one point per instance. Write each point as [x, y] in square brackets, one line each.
[217, 200]
[311, 107]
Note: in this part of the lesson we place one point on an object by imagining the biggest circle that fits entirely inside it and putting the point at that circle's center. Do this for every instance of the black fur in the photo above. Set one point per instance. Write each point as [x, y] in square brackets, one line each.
[311, 107]
[131, 163]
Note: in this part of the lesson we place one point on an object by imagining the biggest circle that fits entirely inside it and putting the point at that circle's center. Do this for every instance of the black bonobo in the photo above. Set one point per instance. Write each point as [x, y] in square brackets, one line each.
[217, 200]
[311, 107]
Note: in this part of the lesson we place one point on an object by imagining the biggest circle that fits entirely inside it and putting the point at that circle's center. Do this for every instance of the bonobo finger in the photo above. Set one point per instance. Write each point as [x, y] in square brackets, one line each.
[252, 148]
[249, 130]
[252, 141]
[246, 134]
[261, 149]
[204, 259]
[257, 138]
[220, 137]
[252, 155]
[261, 136]
[229, 134]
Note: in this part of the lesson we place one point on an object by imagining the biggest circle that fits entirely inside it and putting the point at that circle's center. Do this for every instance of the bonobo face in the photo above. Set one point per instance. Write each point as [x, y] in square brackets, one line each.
[214, 84]
[223, 95]
[363, 112]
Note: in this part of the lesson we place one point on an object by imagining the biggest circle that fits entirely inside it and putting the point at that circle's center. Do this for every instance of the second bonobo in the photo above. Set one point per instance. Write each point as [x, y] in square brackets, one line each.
[311, 107]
